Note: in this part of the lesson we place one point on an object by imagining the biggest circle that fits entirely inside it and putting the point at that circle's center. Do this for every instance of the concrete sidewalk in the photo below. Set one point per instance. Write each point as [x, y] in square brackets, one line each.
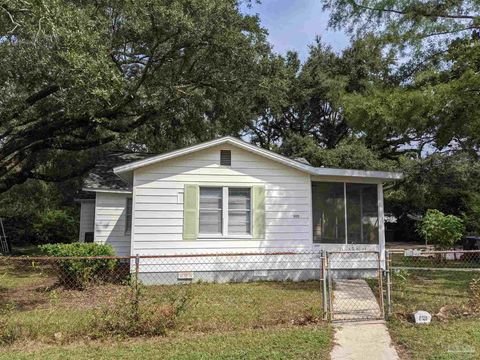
[354, 301]
[363, 340]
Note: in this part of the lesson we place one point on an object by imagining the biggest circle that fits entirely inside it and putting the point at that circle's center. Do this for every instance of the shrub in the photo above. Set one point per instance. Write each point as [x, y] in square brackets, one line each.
[57, 226]
[78, 273]
[136, 314]
[440, 229]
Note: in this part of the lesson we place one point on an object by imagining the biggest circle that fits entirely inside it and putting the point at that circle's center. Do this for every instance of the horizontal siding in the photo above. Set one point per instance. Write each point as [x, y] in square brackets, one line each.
[158, 218]
[110, 222]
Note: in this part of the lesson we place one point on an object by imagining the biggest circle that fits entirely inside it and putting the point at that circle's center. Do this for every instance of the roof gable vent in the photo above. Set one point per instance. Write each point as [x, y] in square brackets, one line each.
[225, 157]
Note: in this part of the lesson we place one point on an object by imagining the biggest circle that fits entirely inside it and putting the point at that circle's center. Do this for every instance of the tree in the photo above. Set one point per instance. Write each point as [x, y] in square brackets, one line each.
[440, 229]
[78, 76]
[434, 102]
[307, 100]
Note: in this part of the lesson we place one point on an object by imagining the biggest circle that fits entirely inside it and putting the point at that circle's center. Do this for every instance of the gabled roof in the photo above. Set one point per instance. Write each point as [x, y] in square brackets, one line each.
[126, 171]
[102, 177]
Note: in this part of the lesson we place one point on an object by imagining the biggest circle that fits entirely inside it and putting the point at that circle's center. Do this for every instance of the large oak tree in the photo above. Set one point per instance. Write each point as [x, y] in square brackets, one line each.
[77, 76]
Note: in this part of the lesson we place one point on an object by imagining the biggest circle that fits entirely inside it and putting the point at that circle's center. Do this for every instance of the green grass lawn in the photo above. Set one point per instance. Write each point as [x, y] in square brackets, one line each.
[298, 343]
[453, 339]
[454, 332]
[260, 320]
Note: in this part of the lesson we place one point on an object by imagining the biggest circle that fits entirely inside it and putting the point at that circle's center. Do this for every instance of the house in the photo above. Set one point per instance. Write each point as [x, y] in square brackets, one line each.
[227, 196]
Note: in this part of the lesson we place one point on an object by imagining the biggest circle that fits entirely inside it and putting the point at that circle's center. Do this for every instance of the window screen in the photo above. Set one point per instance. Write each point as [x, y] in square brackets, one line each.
[225, 157]
[211, 204]
[128, 216]
[328, 212]
[239, 211]
[362, 214]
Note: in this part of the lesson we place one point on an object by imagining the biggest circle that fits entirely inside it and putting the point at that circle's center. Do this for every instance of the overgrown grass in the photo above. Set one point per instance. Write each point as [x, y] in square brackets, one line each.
[454, 332]
[43, 315]
[293, 343]
[454, 339]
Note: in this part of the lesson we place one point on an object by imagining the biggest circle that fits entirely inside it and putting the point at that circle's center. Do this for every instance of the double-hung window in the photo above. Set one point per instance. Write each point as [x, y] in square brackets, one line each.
[211, 209]
[225, 211]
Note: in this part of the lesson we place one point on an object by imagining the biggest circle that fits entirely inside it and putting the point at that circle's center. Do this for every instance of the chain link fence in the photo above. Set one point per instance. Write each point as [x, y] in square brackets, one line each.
[57, 299]
[444, 283]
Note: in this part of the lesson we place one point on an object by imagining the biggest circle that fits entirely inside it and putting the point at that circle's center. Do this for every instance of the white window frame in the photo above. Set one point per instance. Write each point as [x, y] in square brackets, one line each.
[225, 211]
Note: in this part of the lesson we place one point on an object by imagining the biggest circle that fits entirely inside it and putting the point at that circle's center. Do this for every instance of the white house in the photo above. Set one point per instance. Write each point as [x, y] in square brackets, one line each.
[228, 196]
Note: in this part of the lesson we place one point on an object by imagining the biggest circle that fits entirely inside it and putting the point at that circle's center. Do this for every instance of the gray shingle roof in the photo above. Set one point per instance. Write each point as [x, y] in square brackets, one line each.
[101, 177]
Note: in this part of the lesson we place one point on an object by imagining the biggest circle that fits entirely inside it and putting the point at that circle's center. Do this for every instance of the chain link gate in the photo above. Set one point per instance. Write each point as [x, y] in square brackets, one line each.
[352, 285]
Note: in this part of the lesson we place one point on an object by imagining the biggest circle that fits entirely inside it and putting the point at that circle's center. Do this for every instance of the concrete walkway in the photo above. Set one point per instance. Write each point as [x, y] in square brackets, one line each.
[363, 340]
[353, 301]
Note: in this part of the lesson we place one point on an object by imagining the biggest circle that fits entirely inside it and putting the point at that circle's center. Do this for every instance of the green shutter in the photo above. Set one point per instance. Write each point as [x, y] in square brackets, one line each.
[258, 207]
[190, 212]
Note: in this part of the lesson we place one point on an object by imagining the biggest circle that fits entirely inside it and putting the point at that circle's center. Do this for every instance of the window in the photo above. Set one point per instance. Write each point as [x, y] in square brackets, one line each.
[328, 213]
[225, 157]
[128, 216]
[362, 213]
[211, 208]
[225, 211]
[345, 213]
[239, 211]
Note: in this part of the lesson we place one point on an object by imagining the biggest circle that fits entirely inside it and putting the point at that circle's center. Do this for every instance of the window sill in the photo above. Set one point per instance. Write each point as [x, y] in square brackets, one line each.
[225, 237]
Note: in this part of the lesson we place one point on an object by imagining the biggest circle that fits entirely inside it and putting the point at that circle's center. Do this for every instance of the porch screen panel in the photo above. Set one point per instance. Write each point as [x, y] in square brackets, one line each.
[328, 212]
[362, 213]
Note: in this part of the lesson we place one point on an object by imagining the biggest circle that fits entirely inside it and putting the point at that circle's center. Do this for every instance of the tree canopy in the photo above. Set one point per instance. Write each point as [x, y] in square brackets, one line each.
[77, 76]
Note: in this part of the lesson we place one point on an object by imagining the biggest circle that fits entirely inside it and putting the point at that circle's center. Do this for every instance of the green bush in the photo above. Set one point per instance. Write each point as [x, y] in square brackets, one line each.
[80, 273]
[58, 226]
[440, 229]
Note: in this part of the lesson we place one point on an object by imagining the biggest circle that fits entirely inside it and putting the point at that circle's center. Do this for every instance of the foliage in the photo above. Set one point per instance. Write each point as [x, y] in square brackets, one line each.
[307, 100]
[80, 273]
[349, 155]
[440, 229]
[137, 314]
[55, 226]
[113, 73]
[447, 182]
[439, 44]
[29, 204]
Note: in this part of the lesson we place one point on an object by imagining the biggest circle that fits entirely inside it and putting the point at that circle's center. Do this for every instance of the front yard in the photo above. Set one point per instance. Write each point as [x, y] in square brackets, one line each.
[454, 332]
[219, 321]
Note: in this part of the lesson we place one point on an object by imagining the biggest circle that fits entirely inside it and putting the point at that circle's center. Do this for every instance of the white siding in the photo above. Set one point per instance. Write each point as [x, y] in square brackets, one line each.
[87, 218]
[158, 206]
[110, 222]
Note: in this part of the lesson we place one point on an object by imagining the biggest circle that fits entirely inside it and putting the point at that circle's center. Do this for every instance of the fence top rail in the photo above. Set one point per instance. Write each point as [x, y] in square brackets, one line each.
[424, 251]
[435, 269]
[354, 252]
[52, 258]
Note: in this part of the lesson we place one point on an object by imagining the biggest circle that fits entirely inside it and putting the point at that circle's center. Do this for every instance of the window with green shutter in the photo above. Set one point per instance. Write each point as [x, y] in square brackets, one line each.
[224, 211]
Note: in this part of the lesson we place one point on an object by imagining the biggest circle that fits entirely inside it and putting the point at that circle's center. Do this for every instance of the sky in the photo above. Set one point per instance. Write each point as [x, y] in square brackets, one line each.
[293, 25]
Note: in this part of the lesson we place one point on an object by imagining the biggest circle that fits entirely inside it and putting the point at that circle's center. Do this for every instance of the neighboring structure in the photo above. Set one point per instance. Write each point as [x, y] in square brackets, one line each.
[228, 196]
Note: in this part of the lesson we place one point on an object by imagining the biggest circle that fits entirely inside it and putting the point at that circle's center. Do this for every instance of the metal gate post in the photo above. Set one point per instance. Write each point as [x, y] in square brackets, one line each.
[380, 284]
[389, 283]
[330, 288]
[324, 286]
